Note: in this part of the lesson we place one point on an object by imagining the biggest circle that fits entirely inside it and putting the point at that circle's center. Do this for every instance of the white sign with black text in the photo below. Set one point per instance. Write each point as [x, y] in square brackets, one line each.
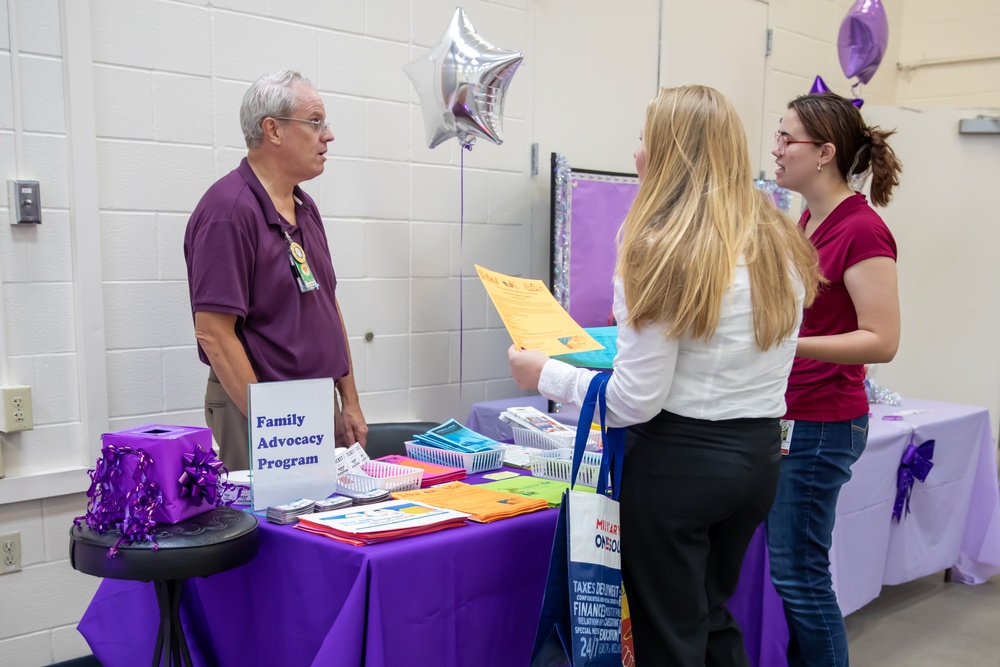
[292, 450]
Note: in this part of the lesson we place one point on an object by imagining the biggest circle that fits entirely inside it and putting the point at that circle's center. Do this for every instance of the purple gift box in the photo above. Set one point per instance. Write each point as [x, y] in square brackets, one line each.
[188, 484]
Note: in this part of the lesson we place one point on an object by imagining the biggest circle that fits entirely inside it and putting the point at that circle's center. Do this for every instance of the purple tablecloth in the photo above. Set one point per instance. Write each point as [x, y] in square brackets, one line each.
[467, 596]
[955, 514]
[471, 595]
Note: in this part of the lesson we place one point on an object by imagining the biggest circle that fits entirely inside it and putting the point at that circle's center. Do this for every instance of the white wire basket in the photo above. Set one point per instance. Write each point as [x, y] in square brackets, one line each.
[490, 459]
[538, 440]
[380, 475]
[557, 464]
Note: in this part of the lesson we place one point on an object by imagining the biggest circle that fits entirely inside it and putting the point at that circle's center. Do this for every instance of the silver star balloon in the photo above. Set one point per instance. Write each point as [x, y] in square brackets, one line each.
[462, 83]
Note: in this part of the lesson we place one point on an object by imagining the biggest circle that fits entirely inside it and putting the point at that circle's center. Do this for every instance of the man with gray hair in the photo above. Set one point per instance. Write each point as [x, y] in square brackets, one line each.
[262, 284]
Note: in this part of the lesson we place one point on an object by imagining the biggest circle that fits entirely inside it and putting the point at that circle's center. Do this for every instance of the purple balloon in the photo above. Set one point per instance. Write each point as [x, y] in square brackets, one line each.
[863, 36]
[819, 86]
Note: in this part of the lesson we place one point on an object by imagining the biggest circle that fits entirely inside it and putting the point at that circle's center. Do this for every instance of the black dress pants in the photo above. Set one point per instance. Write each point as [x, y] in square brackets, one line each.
[693, 493]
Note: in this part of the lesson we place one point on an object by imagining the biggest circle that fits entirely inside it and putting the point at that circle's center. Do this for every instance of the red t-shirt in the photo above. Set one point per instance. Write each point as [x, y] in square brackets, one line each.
[820, 390]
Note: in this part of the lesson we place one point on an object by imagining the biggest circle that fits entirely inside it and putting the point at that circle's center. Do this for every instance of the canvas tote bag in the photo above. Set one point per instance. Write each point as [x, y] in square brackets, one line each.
[580, 623]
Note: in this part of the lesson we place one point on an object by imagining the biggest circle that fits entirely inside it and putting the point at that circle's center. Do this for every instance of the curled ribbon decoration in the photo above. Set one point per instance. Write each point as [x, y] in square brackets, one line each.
[115, 503]
[109, 508]
[201, 477]
[915, 464]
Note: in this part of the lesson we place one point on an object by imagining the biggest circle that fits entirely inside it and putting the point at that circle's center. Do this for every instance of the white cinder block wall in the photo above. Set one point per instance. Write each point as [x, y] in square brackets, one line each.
[36, 262]
[951, 54]
[167, 80]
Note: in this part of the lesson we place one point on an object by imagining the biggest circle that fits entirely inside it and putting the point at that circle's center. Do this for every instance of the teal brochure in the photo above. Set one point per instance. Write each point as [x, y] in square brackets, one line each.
[596, 359]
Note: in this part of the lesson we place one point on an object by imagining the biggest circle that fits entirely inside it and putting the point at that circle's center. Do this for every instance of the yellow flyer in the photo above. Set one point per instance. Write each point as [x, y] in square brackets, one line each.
[533, 317]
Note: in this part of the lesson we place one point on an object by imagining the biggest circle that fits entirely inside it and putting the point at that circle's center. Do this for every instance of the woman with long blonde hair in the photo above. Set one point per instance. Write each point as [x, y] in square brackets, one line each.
[708, 293]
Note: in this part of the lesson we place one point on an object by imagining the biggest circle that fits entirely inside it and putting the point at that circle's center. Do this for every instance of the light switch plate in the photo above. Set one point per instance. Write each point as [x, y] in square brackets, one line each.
[25, 202]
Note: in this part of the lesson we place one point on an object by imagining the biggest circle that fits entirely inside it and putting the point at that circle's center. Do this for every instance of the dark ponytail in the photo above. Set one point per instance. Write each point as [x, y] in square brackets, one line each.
[830, 118]
[885, 166]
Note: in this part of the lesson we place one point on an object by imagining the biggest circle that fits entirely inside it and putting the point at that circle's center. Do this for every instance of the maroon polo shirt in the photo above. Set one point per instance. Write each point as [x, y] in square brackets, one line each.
[238, 263]
[819, 390]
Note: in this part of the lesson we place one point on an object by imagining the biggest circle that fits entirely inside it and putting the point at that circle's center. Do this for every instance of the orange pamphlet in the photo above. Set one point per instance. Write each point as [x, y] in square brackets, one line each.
[482, 505]
[533, 317]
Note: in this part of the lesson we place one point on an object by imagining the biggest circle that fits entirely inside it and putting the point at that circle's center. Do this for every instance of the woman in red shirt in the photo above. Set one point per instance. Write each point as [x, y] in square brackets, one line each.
[823, 146]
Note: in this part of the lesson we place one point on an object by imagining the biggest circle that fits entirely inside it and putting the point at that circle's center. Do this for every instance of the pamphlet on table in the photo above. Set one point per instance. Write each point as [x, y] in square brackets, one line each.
[533, 419]
[549, 490]
[389, 520]
[454, 437]
[481, 504]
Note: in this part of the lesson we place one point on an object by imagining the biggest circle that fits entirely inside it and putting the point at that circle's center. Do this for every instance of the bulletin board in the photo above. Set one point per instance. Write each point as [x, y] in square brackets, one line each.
[588, 209]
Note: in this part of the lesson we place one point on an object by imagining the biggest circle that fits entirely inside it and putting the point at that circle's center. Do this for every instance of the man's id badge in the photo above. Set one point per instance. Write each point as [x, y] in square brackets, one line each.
[786, 435]
[300, 267]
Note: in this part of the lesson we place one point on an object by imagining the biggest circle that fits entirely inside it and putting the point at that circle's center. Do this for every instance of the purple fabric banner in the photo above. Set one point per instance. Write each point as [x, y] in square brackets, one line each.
[590, 209]
[597, 211]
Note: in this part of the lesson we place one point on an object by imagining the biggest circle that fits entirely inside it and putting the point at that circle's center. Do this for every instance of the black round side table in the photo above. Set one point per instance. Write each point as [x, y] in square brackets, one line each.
[218, 540]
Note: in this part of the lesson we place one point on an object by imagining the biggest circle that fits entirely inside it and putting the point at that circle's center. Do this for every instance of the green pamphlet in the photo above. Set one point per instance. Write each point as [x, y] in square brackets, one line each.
[550, 490]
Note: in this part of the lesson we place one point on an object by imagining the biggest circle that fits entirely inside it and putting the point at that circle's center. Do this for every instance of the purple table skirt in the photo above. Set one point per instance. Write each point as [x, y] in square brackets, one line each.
[434, 600]
[955, 514]
[467, 596]
[471, 595]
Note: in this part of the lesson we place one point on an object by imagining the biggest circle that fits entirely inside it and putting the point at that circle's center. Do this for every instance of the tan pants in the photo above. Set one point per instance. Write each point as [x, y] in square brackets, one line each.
[228, 424]
[230, 427]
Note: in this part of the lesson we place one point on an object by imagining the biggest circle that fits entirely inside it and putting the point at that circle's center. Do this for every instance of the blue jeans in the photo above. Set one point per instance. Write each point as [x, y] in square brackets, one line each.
[799, 533]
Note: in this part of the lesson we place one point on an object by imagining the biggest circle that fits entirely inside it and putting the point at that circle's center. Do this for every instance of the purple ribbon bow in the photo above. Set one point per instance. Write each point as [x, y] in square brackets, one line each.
[916, 464]
[200, 479]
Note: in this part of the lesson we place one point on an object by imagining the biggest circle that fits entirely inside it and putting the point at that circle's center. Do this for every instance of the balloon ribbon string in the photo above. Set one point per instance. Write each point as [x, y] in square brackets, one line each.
[461, 269]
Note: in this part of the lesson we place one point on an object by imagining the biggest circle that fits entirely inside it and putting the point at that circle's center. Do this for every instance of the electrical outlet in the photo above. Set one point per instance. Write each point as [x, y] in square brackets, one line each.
[10, 553]
[15, 409]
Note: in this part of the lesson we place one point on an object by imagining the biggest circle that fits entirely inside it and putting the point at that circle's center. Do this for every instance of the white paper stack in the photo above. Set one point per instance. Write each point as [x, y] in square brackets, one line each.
[290, 513]
[332, 503]
[368, 497]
